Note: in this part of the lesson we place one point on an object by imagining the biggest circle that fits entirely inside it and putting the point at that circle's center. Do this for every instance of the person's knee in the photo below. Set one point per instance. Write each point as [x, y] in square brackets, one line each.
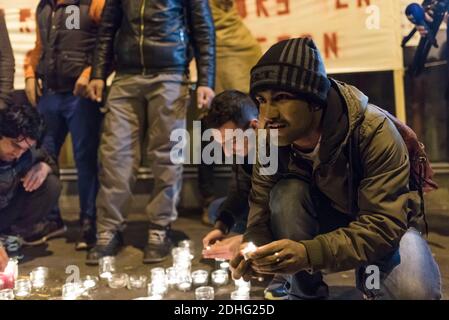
[52, 187]
[290, 209]
[417, 276]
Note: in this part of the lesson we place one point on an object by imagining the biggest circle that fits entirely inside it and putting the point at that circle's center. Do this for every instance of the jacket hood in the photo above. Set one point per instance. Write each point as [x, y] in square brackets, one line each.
[345, 110]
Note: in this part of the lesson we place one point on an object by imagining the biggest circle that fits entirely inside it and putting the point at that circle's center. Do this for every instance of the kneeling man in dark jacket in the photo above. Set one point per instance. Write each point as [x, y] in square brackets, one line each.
[341, 197]
[29, 187]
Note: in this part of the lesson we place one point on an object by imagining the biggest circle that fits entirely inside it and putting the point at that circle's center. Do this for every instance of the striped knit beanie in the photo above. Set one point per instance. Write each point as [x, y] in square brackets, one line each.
[294, 66]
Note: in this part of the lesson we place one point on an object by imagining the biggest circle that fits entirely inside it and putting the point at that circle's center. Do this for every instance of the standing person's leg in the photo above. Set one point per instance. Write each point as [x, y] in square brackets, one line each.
[168, 99]
[410, 273]
[51, 106]
[84, 120]
[120, 156]
[294, 217]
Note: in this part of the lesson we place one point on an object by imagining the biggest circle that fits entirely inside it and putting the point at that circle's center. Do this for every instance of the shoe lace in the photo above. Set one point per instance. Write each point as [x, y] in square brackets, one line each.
[103, 238]
[156, 236]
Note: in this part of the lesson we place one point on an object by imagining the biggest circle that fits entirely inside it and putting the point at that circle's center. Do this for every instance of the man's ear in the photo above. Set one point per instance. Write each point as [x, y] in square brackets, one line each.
[254, 124]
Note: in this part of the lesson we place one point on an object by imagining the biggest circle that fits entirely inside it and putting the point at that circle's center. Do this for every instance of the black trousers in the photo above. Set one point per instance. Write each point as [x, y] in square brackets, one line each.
[28, 208]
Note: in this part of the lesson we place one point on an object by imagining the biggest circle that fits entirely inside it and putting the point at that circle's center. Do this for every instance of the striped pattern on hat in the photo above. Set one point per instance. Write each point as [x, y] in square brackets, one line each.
[293, 65]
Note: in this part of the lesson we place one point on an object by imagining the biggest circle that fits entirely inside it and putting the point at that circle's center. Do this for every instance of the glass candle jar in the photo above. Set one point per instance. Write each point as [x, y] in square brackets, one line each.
[220, 277]
[106, 267]
[204, 293]
[6, 294]
[22, 288]
[137, 282]
[118, 280]
[157, 274]
[38, 277]
[200, 278]
[240, 295]
[72, 290]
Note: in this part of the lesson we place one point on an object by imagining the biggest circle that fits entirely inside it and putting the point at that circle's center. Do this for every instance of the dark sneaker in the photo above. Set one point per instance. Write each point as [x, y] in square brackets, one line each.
[277, 289]
[12, 245]
[158, 247]
[108, 244]
[87, 235]
[43, 231]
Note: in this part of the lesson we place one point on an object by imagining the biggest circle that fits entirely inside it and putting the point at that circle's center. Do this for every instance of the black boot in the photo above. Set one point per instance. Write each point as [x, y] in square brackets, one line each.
[159, 244]
[87, 235]
[108, 244]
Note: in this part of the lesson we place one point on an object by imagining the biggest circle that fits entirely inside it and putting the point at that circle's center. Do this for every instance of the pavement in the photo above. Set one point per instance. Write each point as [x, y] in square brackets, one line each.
[60, 257]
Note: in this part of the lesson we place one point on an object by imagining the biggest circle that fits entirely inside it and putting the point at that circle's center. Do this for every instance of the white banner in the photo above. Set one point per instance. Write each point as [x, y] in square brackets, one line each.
[353, 35]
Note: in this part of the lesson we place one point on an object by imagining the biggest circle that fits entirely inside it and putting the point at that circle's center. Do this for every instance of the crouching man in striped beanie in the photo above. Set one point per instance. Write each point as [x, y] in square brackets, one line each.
[342, 195]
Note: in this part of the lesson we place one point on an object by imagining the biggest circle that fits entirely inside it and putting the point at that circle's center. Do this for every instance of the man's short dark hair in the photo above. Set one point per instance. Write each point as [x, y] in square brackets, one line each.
[21, 121]
[231, 105]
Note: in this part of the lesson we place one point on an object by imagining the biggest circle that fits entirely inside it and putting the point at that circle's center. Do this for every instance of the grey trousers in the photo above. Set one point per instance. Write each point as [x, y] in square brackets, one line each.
[138, 108]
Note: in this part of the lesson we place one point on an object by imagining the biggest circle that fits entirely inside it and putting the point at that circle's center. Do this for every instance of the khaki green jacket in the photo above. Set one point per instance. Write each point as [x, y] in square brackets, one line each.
[382, 195]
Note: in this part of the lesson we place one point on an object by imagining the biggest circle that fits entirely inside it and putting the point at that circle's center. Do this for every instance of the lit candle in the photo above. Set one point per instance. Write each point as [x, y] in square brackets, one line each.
[220, 277]
[250, 247]
[171, 276]
[157, 289]
[200, 277]
[6, 294]
[71, 291]
[240, 295]
[22, 288]
[38, 276]
[184, 280]
[204, 293]
[137, 282]
[242, 285]
[90, 282]
[106, 267]
[118, 280]
[8, 276]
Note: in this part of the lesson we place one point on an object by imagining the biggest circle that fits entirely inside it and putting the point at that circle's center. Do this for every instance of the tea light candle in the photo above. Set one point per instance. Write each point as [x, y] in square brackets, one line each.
[250, 247]
[204, 293]
[8, 276]
[242, 285]
[90, 282]
[106, 267]
[118, 280]
[6, 294]
[157, 274]
[157, 289]
[220, 277]
[171, 276]
[200, 277]
[184, 281]
[6, 280]
[240, 295]
[137, 282]
[38, 276]
[71, 291]
[187, 244]
[22, 288]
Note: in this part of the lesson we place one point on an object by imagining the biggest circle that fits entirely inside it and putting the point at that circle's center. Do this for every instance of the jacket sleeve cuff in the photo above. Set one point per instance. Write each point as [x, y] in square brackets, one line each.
[316, 254]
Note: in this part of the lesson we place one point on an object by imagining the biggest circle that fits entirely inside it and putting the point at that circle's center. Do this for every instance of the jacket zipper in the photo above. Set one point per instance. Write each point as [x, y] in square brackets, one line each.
[142, 28]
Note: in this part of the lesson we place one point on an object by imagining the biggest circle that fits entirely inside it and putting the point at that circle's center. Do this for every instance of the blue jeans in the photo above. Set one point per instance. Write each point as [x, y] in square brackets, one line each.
[409, 273]
[239, 225]
[64, 113]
